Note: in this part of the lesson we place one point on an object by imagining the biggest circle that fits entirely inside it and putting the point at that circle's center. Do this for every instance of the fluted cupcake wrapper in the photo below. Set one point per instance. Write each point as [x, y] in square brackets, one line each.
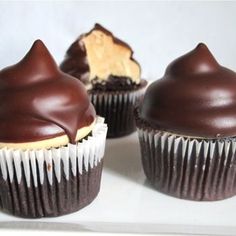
[52, 182]
[117, 108]
[194, 169]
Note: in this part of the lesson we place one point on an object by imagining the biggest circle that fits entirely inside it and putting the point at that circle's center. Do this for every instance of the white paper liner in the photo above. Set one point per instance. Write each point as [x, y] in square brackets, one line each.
[187, 167]
[86, 153]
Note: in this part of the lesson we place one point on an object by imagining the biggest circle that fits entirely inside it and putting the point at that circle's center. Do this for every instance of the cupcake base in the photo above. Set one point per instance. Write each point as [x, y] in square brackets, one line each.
[117, 107]
[50, 200]
[55, 181]
[188, 168]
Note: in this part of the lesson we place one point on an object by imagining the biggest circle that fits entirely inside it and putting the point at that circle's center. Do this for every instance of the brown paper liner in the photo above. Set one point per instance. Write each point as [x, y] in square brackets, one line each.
[188, 168]
[118, 109]
[48, 200]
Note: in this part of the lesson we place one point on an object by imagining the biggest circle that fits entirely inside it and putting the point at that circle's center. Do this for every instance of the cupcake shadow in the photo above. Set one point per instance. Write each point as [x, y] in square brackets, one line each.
[122, 157]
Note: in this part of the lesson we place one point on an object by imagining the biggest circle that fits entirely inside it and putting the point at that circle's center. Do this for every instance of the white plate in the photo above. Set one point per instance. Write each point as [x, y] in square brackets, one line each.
[127, 204]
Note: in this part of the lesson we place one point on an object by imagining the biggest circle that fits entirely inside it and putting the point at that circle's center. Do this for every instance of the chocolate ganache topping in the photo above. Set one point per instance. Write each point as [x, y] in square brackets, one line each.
[196, 97]
[38, 101]
[76, 62]
[99, 55]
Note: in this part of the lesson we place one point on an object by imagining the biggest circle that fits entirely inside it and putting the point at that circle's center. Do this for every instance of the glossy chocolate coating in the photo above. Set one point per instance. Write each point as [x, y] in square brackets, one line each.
[38, 101]
[76, 63]
[196, 97]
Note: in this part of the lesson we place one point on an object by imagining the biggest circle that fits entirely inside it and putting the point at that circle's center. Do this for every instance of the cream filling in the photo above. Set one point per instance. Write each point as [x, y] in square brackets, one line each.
[106, 58]
[50, 143]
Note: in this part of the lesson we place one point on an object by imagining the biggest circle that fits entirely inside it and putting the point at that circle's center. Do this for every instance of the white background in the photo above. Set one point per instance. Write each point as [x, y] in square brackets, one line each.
[157, 31]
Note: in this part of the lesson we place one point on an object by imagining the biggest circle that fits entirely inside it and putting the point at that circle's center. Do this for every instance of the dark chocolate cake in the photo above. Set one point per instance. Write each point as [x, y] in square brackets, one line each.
[106, 66]
[48, 165]
[187, 128]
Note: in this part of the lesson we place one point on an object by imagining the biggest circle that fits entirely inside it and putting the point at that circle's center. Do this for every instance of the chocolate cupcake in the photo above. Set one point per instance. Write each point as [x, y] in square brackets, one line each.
[51, 141]
[106, 66]
[187, 129]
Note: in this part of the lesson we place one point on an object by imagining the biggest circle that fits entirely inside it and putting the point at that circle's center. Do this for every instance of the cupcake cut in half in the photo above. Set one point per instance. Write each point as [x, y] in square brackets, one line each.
[187, 128]
[106, 66]
[47, 123]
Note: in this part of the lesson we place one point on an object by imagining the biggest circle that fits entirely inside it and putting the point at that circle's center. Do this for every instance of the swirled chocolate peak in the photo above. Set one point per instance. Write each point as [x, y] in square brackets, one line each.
[196, 97]
[38, 101]
[98, 55]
